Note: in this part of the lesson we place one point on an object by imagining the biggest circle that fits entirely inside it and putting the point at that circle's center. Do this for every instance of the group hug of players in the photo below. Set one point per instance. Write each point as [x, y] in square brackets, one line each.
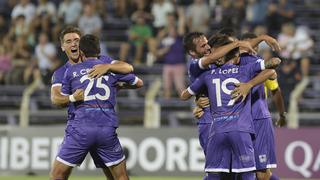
[235, 127]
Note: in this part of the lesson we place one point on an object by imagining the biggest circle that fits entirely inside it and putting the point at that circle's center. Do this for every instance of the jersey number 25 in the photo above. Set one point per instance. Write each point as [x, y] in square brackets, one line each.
[98, 84]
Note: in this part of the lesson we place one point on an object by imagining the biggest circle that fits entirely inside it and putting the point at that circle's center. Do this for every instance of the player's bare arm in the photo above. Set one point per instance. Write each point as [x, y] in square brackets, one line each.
[273, 43]
[117, 67]
[223, 50]
[124, 85]
[62, 101]
[277, 97]
[243, 89]
[185, 95]
[272, 63]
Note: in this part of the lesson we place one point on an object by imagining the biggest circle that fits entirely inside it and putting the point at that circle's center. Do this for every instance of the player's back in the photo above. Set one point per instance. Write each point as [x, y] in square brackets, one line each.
[227, 114]
[99, 94]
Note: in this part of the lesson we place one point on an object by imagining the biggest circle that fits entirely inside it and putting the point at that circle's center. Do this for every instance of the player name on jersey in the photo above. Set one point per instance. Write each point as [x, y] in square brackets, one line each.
[233, 70]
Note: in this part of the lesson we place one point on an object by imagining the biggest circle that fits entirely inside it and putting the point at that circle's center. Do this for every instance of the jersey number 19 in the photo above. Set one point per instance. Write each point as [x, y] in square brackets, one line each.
[223, 86]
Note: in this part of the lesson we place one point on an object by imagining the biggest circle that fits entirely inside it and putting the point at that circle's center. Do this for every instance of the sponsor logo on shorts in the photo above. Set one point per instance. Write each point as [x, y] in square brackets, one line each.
[263, 158]
[245, 158]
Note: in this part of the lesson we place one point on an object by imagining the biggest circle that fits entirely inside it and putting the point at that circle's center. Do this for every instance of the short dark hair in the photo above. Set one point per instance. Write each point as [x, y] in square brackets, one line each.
[67, 30]
[218, 40]
[227, 31]
[90, 45]
[248, 35]
[188, 40]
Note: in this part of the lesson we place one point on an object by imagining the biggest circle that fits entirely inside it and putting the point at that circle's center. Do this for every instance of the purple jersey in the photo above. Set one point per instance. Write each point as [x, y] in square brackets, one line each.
[258, 97]
[99, 94]
[194, 71]
[227, 114]
[58, 75]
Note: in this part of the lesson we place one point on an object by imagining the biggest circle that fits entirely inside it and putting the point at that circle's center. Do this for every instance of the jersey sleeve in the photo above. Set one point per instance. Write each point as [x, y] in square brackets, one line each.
[272, 84]
[196, 87]
[132, 79]
[57, 77]
[195, 70]
[255, 68]
[66, 84]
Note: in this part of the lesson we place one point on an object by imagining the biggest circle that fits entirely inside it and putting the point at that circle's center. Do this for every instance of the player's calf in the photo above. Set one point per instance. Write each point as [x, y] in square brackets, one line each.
[119, 171]
[60, 171]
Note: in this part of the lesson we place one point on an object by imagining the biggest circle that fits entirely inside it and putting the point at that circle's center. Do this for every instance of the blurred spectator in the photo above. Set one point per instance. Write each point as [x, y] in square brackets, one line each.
[45, 53]
[141, 8]
[256, 12]
[296, 45]
[172, 54]
[46, 8]
[69, 11]
[21, 28]
[6, 9]
[89, 22]
[5, 63]
[25, 8]
[288, 76]
[120, 8]
[279, 12]
[198, 15]
[100, 7]
[159, 10]
[139, 35]
[21, 60]
[232, 14]
[4, 28]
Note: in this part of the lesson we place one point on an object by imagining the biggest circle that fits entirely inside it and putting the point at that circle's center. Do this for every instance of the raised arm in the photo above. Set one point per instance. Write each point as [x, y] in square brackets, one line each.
[277, 97]
[243, 89]
[124, 85]
[116, 67]
[222, 51]
[273, 43]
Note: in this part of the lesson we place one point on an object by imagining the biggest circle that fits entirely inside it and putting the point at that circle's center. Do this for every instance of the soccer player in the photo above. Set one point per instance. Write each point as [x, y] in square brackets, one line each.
[264, 144]
[196, 45]
[69, 39]
[232, 124]
[93, 128]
